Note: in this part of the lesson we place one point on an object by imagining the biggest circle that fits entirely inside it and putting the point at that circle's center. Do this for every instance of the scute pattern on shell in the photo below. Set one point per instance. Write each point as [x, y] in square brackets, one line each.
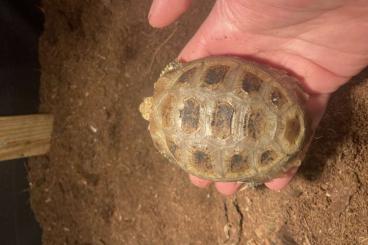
[227, 119]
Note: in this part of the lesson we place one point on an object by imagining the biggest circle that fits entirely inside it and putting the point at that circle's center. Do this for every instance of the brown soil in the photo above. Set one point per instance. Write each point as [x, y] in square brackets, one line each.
[104, 183]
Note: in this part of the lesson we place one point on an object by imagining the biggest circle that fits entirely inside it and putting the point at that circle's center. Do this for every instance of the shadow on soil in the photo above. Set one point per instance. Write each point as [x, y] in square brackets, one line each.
[334, 129]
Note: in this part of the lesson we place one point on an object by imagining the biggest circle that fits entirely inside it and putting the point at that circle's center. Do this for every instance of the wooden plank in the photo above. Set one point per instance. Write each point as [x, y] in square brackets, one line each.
[25, 136]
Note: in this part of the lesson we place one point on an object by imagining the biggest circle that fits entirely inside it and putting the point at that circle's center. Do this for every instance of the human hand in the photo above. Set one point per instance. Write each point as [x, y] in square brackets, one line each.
[322, 42]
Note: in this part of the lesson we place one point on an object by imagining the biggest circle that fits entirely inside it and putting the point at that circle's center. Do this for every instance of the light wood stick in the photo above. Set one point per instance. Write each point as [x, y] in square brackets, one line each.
[25, 136]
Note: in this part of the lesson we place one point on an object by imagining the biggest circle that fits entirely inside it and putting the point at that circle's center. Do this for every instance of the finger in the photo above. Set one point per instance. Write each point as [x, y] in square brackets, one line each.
[199, 45]
[227, 188]
[316, 107]
[201, 183]
[195, 48]
[164, 12]
[315, 78]
[279, 183]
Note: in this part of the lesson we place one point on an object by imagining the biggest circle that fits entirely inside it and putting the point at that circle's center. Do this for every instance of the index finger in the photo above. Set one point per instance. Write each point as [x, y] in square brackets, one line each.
[164, 12]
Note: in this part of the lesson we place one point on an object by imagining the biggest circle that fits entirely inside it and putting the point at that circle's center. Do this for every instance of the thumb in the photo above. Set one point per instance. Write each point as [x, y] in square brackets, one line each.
[164, 12]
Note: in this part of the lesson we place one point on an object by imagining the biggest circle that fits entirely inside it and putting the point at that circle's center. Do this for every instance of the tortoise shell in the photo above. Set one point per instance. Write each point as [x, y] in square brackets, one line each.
[228, 119]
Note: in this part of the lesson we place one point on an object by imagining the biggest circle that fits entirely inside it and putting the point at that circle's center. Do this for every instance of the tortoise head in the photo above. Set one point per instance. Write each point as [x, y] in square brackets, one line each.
[145, 108]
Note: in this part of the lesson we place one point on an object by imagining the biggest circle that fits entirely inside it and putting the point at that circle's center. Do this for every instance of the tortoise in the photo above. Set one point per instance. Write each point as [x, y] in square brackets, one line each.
[225, 119]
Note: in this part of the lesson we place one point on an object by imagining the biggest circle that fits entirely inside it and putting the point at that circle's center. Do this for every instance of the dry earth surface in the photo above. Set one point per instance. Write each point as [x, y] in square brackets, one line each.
[104, 183]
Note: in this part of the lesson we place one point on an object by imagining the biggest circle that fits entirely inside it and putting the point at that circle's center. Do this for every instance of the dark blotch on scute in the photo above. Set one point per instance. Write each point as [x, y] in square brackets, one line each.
[187, 76]
[190, 116]
[277, 98]
[215, 74]
[202, 160]
[268, 157]
[251, 83]
[238, 163]
[255, 125]
[292, 130]
[221, 122]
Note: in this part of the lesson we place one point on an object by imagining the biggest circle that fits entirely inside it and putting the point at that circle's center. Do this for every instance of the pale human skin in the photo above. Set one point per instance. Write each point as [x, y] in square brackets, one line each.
[322, 42]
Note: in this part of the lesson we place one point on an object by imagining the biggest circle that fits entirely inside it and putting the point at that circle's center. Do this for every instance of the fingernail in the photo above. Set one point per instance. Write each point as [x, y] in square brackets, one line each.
[152, 9]
[226, 189]
[199, 182]
[279, 183]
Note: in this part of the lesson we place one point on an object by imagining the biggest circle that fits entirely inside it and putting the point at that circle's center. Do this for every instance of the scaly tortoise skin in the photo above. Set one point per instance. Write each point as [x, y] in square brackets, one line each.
[228, 119]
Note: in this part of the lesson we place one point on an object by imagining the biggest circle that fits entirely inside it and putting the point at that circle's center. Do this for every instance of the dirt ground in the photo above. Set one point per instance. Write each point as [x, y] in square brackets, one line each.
[104, 183]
